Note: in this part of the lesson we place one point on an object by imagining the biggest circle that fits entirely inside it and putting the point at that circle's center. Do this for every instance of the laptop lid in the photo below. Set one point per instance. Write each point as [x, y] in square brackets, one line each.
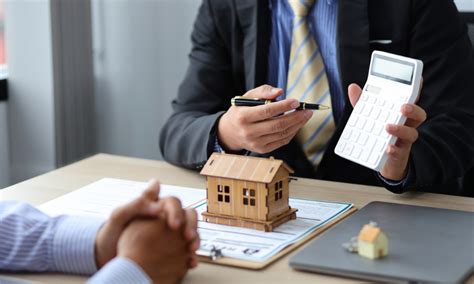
[425, 245]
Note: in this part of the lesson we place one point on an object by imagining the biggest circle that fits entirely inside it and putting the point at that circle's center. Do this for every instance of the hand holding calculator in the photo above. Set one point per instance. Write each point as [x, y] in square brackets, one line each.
[393, 80]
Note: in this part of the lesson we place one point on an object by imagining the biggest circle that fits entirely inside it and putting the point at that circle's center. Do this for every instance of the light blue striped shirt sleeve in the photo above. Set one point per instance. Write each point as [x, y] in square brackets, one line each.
[120, 270]
[33, 241]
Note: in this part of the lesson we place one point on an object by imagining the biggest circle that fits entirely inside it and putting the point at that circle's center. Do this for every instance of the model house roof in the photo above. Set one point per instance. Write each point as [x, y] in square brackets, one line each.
[243, 167]
[369, 233]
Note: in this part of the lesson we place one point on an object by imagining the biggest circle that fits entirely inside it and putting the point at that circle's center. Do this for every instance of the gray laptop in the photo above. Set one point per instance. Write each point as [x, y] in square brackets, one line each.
[425, 245]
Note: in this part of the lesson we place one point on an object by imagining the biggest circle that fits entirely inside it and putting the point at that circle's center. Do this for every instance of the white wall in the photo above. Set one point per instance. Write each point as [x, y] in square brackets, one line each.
[140, 49]
[465, 5]
[30, 87]
[4, 149]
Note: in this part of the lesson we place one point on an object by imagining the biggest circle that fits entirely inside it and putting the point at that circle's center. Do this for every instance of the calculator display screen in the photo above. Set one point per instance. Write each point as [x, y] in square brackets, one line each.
[392, 69]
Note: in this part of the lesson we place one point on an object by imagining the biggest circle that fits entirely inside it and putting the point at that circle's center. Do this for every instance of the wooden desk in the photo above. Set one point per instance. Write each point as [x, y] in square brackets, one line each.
[59, 182]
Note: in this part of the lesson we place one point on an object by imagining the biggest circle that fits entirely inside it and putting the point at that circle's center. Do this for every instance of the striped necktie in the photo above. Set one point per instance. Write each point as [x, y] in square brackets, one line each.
[307, 81]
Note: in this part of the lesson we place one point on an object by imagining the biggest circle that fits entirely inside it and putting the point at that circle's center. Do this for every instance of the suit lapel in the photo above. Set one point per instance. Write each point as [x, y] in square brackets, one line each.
[255, 24]
[353, 42]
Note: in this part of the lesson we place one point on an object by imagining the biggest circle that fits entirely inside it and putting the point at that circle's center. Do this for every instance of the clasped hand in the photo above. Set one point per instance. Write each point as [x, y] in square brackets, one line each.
[157, 234]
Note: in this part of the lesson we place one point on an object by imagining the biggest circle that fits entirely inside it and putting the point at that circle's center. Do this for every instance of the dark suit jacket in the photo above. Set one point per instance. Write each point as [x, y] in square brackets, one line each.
[229, 56]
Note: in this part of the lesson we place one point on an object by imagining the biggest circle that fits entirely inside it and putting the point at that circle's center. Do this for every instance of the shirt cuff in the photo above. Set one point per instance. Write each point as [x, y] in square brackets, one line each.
[398, 186]
[120, 270]
[73, 247]
[391, 182]
[218, 148]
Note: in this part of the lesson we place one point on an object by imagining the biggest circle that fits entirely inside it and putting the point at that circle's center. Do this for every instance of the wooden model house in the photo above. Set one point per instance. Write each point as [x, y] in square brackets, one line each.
[247, 191]
[372, 242]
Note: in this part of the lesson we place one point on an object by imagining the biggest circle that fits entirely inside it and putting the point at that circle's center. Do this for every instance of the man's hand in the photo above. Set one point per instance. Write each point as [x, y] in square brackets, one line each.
[108, 236]
[147, 205]
[261, 129]
[160, 251]
[171, 211]
[396, 166]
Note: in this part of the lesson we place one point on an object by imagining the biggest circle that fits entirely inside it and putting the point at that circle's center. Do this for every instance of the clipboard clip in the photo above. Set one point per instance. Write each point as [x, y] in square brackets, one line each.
[214, 254]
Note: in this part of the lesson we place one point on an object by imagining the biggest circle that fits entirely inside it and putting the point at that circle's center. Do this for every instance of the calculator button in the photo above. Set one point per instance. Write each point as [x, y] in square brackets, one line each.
[356, 153]
[367, 110]
[363, 139]
[359, 107]
[374, 158]
[384, 133]
[375, 113]
[348, 149]
[404, 97]
[340, 147]
[384, 115]
[397, 106]
[352, 120]
[393, 118]
[347, 133]
[354, 136]
[365, 155]
[377, 129]
[369, 125]
[372, 99]
[380, 102]
[364, 97]
[378, 146]
[370, 143]
[361, 123]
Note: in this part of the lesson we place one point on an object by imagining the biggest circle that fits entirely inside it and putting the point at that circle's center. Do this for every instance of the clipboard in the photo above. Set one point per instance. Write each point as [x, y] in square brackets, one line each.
[228, 261]
[66, 205]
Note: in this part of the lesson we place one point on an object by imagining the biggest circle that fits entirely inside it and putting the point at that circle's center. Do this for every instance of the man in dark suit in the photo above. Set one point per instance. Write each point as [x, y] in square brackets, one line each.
[240, 46]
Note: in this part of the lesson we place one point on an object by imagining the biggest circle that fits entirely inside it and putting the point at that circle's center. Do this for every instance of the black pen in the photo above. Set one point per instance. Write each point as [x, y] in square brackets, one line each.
[242, 101]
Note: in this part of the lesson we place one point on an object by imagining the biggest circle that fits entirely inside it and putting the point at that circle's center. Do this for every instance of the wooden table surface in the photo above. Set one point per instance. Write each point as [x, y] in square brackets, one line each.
[64, 180]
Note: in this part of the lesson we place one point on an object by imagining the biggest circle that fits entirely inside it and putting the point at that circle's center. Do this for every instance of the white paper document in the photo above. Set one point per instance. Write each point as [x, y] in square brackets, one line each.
[258, 246]
[100, 198]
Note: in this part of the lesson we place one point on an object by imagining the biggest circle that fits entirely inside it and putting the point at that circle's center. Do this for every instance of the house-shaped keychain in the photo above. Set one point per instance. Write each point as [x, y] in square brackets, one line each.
[372, 241]
[248, 192]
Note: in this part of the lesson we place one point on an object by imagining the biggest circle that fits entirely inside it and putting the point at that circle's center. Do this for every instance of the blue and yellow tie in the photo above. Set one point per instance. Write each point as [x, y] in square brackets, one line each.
[307, 81]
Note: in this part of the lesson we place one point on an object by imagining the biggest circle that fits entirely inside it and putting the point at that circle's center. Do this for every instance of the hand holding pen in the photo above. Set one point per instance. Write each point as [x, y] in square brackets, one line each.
[261, 128]
[243, 101]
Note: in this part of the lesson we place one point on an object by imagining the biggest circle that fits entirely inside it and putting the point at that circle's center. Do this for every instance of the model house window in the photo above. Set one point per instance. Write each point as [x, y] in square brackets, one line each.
[249, 196]
[278, 190]
[219, 193]
[223, 193]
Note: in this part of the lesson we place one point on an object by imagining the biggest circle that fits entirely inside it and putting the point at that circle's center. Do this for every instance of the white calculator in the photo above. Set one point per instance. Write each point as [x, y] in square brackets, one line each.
[393, 80]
